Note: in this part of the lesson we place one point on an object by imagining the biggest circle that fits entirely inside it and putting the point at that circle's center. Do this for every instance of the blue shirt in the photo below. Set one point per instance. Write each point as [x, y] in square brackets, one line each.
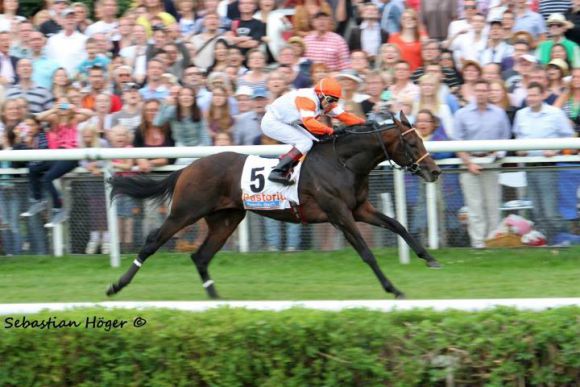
[391, 16]
[160, 93]
[530, 22]
[473, 124]
[42, 71]
[549, 122]
[100, 61]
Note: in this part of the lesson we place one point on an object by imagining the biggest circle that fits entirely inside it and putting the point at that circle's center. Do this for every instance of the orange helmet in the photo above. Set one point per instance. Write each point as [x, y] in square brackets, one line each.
[328, 87]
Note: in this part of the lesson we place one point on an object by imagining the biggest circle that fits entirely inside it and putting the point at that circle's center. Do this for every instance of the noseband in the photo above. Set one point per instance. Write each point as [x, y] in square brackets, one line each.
[412, 167]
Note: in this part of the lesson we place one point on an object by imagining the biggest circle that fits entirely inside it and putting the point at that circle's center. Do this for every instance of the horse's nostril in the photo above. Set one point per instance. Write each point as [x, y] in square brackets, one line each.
[436, 172]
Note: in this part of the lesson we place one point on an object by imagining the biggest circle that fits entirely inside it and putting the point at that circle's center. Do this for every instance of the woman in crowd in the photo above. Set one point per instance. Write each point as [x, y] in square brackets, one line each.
[556, 70]
[219, 116]
[429, 100]
[498, 95]
[63, 120]
[276, 25]
[304, 13]
[409, 39]
[60, 83]
[470, 73]
[256, 77]
[220, 56]
[389, 56]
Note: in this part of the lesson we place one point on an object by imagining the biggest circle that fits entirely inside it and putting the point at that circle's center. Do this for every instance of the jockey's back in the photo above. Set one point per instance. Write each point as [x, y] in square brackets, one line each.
[287, 107]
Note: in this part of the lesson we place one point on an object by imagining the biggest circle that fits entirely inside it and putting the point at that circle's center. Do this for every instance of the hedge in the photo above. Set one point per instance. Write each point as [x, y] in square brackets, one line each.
[235, 347]
[29, 7]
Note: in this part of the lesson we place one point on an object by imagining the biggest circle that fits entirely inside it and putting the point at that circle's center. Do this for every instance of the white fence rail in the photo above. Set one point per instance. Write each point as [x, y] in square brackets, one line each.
[274, 150]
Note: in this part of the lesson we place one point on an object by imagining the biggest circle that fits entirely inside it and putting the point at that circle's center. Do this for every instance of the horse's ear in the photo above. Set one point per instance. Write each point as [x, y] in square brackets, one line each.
[404, 119]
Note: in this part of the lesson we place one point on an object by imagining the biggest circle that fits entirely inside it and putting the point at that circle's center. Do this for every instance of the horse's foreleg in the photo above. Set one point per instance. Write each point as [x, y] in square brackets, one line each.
[342, 218]
[368, 214]
[221, 225]
[154, 241]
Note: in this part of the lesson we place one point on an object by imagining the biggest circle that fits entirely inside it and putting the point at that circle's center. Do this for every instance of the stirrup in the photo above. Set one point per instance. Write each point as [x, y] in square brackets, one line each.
[281, 179]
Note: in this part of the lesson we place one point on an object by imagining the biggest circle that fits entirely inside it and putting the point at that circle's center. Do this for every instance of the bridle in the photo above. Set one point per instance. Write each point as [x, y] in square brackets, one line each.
[413, 166]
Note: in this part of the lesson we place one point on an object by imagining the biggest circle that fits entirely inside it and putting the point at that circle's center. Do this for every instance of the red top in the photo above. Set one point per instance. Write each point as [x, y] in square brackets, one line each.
[62, 137]
[410, 52]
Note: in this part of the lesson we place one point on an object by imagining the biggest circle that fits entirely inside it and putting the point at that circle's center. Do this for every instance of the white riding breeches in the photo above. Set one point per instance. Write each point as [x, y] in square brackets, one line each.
[294, 135]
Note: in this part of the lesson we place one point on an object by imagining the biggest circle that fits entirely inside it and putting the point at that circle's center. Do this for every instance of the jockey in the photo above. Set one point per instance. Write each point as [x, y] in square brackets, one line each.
[293, 117]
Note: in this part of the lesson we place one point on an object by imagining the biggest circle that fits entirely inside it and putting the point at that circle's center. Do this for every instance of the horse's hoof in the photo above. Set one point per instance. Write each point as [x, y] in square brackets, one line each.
[111, 291]
[400, 296]
[434, 265]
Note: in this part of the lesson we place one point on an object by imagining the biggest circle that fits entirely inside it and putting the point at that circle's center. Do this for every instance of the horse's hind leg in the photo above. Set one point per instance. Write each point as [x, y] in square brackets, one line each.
[368, 214]
[154, 241]
[221, 225]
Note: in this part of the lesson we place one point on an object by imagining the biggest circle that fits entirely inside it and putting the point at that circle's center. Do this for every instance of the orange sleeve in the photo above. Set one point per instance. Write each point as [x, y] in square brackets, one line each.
[307, 109]
[349, 118]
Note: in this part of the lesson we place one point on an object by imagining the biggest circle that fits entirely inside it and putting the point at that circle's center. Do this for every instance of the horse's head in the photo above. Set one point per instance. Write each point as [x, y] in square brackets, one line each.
[406, 148]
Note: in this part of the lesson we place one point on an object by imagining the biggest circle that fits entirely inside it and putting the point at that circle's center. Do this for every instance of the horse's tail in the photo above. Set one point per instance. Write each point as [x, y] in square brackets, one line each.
[143, 187]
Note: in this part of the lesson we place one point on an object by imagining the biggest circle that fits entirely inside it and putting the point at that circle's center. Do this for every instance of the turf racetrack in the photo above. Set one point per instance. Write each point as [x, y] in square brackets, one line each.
[517, 273]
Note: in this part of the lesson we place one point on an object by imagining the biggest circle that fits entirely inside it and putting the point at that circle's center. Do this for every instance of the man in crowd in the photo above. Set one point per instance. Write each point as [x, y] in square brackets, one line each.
[39, 99]
[325, 46]
[67, 47]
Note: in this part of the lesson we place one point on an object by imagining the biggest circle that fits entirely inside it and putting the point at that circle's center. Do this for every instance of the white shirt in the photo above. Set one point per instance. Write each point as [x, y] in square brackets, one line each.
[549, 122]
[6, 70]
[370, 37]
[467, 48]
[68, 51]
[100, 27]
[286, 108]
[496, 54]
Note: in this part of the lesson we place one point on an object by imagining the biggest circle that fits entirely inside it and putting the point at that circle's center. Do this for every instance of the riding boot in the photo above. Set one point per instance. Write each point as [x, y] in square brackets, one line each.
[282, 172]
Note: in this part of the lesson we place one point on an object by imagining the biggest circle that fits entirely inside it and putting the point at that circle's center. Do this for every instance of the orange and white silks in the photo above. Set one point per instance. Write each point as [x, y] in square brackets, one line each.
[301, 107]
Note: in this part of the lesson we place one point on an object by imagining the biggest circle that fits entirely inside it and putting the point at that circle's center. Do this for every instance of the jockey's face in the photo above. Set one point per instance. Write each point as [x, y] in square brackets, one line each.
[328, 103]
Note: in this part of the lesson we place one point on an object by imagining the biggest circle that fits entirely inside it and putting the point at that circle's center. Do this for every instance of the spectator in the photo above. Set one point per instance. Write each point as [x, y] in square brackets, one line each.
[12, 115]
[126, 27]
[529, 21]
[374, 86]
[175, 64]
[359, 62]
[8, 62]
[499, 97]
[573, 15]
[244, 97]
[20, 47]
[9, 17]
[368, 36]
[547, 8]
[391, 16]
[185, 120]
[402, 87]
[324, 46]
[60, 83]
[54, 24]
[299, 47]
[99, 235]
[63, 120]
[255, 77]
[205, 42]
[211, 6]
[437, 16]
[129, 117]
[43, 68]
[428, 99]
[305, 12]
[431, 56]
[136, 55]
[569, 101]
[97, 85]
[390, 55]
[450, 69]
[463, 24]
[557, 24]
[246, 128]
[247, 32]
[298, 76]
[557, 70]
[491, 71]
[469, 45]
[93, 59]
[102, 119]
[119, 137]
[276, 25]
[108, 23]
[81, 14]
[508, 21]
[540, 120]
[352, 101]
[220, 56]
[409, 39]
[38, 98]
[154, 88]
[497, 49]
[67, 47]
[219, 118]
[471, 72]
[276, 85]
[480, 120]
[154, 10]
[235, 60]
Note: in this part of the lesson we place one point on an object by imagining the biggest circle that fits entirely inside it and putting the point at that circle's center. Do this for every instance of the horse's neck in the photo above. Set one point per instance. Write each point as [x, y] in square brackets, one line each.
[361, 153]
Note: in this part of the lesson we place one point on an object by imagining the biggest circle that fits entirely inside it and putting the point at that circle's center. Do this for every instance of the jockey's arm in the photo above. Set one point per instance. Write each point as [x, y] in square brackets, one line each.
[345, 117]
[307, 109]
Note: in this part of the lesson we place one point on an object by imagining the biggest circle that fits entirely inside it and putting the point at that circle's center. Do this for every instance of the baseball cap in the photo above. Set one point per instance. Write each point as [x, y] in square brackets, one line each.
[68, 11]
[130, 86]
[529, 58]
[244, 91]
[260, 92]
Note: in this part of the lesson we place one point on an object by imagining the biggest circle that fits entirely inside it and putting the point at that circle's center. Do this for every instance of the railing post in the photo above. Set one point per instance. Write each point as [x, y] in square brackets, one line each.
[432, 221]
[244, 235]
[58, 240]
[112, 221]
[401, 205]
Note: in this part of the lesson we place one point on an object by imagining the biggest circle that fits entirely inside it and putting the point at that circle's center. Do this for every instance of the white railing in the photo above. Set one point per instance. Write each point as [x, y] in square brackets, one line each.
[274, 150]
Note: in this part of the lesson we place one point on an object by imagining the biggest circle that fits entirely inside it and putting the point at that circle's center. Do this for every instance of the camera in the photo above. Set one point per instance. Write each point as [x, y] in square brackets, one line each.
[64, 106]
[158, 27]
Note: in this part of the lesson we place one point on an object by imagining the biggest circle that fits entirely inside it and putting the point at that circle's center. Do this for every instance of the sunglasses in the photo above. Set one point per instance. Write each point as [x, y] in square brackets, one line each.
[330, 99]
[470, 7]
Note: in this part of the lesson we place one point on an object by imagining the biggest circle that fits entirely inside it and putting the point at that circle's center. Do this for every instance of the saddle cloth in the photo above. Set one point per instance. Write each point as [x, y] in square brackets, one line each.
[259, 193]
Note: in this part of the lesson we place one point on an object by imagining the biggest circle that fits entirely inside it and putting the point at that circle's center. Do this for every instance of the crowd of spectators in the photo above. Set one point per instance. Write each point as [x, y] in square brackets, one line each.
[202, 72]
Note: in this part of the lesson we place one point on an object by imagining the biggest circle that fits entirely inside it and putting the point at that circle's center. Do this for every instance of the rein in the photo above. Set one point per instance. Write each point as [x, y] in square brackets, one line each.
[413, 167]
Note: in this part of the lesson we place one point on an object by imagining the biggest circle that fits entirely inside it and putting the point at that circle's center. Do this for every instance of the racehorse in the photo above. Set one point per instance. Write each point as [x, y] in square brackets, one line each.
[333, 187]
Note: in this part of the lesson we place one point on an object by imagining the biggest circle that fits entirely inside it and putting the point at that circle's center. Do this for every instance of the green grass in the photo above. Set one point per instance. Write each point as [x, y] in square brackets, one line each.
[519, 273]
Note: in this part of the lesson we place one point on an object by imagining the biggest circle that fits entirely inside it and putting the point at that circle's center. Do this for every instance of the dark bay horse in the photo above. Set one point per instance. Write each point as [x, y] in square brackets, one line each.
[333, 187]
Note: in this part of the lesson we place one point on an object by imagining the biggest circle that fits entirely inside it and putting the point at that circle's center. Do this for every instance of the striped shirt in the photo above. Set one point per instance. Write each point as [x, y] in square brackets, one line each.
[39, 99]
[548, 7]
[330, 49]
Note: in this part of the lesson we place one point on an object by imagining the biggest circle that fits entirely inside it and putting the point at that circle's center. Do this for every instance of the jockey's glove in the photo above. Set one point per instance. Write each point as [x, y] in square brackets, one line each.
[338, 130]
